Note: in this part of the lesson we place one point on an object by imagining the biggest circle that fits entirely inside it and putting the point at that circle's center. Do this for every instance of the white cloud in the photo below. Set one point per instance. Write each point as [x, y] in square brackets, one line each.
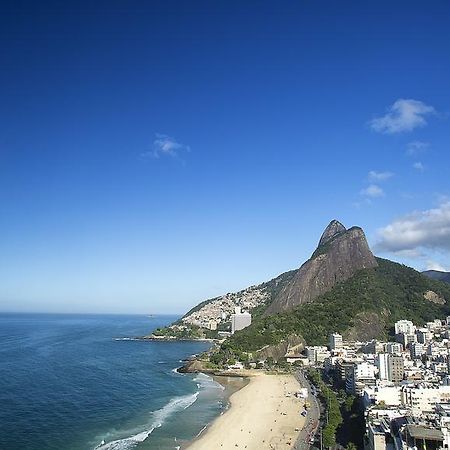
[164, 145]
[419, 166]
[372, 191]
[420, 229]
[403, 116]
[417, 148]
[379, 176]
[434, 265]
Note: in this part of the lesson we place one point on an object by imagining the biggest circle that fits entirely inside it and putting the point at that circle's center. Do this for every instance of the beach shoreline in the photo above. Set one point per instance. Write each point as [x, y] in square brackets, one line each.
[263, 414]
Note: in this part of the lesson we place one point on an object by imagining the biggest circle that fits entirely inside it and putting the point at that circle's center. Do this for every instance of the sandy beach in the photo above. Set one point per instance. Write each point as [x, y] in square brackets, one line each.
[263, 415]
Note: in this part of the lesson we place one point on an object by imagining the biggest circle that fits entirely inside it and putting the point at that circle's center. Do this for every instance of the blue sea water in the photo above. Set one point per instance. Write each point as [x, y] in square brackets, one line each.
[67, 382]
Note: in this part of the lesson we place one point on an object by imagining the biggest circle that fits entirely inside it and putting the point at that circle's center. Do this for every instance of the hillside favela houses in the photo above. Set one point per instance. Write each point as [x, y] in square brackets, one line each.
[404, 386]
[222, 316]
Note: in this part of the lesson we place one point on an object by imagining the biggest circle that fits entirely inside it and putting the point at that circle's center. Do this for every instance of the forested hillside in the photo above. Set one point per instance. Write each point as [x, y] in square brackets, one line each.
[362, 307]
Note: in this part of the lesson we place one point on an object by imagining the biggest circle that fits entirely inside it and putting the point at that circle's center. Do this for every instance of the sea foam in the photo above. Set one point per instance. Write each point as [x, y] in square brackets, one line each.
[205, 381]
[159, 417]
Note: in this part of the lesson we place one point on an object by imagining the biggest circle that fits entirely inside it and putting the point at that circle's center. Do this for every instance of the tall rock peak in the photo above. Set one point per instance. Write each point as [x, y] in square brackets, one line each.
[340, 254]
[334, 228]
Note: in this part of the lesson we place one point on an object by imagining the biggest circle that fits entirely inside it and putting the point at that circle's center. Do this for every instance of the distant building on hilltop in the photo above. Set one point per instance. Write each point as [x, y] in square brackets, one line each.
[240, 320]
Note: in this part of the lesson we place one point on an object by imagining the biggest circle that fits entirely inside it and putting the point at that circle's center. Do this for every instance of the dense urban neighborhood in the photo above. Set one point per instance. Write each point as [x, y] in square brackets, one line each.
[403, 387]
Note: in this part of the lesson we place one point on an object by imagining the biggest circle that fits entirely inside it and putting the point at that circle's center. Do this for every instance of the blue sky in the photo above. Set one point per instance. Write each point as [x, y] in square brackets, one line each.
[154, 154]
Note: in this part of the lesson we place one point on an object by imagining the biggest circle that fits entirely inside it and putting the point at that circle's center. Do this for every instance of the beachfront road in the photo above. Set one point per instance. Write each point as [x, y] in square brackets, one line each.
[312, 419]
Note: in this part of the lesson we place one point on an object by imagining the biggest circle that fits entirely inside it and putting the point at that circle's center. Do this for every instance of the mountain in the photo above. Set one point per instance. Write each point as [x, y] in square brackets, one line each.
[342, 288]
[363, 307]
[341, 253]
[437, 275]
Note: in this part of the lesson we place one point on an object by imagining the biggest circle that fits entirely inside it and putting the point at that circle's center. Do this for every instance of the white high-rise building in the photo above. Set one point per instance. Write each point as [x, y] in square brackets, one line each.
[364, 370]
[362, 375]
[240, 320]
[404, 326]
[382, 364]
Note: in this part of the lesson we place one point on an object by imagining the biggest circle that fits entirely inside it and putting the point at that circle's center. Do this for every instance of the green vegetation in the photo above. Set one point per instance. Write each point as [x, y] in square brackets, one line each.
[351, 432]
[224, 357]
[330, 400]
[391, 291]
[344, 418]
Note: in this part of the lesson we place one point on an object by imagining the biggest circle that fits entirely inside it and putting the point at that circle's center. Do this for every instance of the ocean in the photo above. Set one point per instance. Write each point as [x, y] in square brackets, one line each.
[72, 382]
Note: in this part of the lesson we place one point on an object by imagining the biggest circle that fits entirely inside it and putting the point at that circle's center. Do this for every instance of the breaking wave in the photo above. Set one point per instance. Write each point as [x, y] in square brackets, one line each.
[205, 381]
[159, 417]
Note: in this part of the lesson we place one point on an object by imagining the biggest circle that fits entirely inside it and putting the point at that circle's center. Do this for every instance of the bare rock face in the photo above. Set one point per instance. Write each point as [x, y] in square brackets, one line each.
[333, 229]
[191, 366]
[340, 254]
[278, 351]
[432, 297]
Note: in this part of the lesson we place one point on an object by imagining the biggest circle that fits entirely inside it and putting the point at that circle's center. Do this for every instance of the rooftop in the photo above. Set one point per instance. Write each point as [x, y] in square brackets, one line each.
[422, 432]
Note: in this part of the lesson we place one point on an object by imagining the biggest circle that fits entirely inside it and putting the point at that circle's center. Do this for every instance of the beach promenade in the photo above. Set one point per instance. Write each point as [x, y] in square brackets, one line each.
[312, 420]
[265, 414]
